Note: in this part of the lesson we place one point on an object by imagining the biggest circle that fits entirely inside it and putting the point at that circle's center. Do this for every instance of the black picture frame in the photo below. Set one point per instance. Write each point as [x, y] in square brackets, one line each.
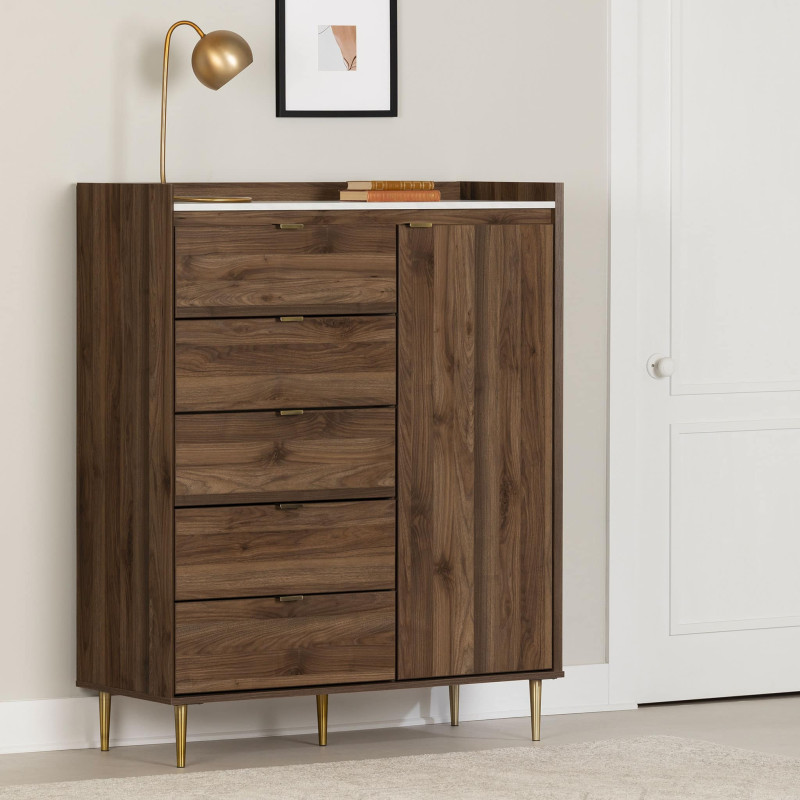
[280, 70]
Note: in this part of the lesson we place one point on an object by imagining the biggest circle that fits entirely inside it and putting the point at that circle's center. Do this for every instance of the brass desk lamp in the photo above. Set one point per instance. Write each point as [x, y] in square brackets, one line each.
[217, 57]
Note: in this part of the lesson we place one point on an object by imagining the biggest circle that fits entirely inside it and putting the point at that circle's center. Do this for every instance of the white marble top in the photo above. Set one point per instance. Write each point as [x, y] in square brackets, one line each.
[283, 205]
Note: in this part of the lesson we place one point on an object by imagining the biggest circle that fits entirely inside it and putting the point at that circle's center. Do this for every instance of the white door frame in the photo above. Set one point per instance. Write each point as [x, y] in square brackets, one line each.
[623, 511]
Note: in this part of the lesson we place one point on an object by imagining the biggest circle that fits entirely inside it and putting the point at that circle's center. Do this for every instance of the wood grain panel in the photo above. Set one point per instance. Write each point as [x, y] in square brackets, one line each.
[286, 191]
[328, 191]
[337, 688]
[508, 191]
[263, 457]
[253, 551]
[558, 423]
[475, 450]
[260, 270]
[233, 645]
[513, 503]
[370, 215]
[236, 285]
[124, 438]
[320, 362]
[270, 240]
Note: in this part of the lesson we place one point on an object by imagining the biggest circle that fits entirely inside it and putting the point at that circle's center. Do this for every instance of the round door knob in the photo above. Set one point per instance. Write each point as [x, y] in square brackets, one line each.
[661, 366]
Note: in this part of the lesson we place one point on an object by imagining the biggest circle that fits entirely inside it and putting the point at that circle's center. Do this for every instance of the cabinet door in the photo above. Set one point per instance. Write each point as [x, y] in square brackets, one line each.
[475, 450]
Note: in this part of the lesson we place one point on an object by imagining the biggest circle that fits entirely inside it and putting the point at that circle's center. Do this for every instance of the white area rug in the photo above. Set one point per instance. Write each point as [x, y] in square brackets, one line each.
[651, 768]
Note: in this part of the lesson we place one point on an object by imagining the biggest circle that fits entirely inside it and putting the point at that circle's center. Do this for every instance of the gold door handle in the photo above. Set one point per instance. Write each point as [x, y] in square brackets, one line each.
[292, 226]
[420, 224]
[292, 319]
[291, 412]
[289, 506]
[290, 598]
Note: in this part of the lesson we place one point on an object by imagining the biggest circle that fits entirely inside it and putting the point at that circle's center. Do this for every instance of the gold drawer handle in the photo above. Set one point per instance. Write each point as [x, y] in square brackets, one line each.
[292, 319]
[420, 224]
[292, 226]
[289, 506]
[290, 598]
[291, 412]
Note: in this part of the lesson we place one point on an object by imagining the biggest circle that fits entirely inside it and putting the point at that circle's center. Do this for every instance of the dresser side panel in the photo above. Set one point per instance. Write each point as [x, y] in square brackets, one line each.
[125, 438]
[558, 424]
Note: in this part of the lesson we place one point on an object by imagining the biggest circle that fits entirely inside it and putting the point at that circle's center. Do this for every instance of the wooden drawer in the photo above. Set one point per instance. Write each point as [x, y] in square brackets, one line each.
[248, 364]
[232, 645]
[263, 270]
[266, 458]
[253, 551]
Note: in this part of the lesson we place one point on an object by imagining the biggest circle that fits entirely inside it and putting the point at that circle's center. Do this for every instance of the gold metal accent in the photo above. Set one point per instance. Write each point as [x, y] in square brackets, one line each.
[536, 710]
[292, 319]
[322, 719]
[105, 719]
[420, 224]
[292, 226]
[181, 199]
[290, 598]
[454, 705]
[292, 412]
[217, 57]
[289, 506]
[180, 735]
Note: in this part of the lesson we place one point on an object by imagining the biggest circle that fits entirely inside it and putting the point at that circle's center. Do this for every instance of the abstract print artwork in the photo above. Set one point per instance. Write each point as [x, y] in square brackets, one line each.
[338, 48]
[336, 58]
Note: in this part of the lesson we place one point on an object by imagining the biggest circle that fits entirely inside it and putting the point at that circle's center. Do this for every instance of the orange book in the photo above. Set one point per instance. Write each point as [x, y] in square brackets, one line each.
[391, 186]
[391, 197]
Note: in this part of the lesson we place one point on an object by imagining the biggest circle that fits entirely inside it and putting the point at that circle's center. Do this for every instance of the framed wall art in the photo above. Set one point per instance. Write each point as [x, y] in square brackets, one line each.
[336, 58]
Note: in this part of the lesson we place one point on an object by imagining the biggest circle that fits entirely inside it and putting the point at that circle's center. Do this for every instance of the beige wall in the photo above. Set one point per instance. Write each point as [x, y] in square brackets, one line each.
[504, 90]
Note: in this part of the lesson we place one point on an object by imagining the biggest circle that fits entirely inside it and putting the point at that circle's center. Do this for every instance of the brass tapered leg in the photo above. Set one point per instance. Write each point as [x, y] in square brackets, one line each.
[454, 705]
[536, 710]
[322, 719]
[105, 719]
[180, 735]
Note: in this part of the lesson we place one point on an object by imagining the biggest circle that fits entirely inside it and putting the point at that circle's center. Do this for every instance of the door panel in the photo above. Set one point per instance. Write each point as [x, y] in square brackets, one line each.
[735, 202]
[718, 446]
[475, 450]
[735, 506]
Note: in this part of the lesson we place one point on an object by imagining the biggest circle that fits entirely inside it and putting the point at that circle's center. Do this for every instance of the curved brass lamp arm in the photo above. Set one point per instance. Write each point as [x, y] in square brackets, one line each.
[164, 76]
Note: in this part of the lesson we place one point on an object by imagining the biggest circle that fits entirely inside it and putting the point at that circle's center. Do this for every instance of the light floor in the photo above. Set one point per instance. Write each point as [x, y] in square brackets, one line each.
[767, 724]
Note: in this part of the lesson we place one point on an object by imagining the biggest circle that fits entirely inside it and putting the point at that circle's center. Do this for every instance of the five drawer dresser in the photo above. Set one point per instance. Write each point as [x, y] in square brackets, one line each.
[319, 443]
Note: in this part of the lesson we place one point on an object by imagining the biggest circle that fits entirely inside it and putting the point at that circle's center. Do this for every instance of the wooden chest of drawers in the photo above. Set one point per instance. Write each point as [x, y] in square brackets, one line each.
[319, 450]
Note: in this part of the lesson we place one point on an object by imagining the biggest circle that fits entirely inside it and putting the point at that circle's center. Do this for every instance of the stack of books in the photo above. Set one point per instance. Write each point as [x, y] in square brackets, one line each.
[391, 192]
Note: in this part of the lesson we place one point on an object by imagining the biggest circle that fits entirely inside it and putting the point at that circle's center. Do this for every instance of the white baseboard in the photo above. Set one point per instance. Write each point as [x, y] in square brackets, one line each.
[72, 724]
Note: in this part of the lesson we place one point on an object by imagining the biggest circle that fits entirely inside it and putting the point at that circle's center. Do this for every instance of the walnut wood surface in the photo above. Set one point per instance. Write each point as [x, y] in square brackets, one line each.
[488, 544]
[262, 270]
[509, 191]
[475, 458]
[321, 191]
[294, 192]
[289, 191]
[250, 364]
[338, 688]
[125, 438]
[558, 422]
[369, 216]
[247, 286]
[271, 240]
[230, 645]
[252, 551]
[263, 457]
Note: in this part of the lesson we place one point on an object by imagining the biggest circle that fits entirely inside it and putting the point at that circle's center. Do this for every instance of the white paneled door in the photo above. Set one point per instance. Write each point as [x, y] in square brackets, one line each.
[718, 441]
